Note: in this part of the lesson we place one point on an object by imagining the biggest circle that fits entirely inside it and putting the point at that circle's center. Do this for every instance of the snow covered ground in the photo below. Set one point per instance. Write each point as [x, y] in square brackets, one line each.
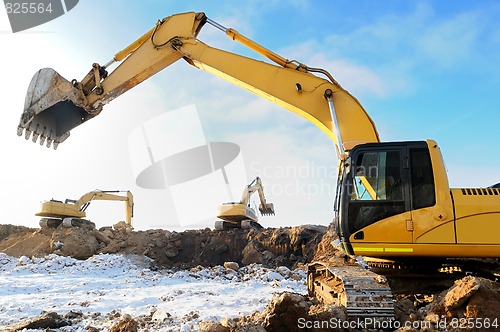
[107, 286]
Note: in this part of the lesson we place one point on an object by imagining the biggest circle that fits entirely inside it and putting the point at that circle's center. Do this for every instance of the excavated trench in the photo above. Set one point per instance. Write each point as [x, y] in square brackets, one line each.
[270, 247]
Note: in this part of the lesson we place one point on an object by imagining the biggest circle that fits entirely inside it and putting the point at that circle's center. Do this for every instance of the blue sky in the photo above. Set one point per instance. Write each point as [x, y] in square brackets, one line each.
[422, 69]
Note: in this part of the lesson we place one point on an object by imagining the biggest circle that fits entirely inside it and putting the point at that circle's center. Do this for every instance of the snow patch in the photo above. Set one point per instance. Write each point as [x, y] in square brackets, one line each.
[110, 285]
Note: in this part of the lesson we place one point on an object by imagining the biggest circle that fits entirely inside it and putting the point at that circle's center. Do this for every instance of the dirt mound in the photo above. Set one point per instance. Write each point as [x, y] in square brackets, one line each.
[7, 230]
[286, 312]
[18, 241]
[470, 300]
[328, 249]
[471, 304]
[271, 247]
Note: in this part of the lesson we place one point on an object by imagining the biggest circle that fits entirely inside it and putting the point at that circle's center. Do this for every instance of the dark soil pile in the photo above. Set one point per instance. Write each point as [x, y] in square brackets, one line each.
[289, 246]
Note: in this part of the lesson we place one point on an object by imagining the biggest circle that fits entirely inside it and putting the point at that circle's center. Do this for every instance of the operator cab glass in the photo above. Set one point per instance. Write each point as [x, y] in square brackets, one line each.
[380, 180]
[375, 188]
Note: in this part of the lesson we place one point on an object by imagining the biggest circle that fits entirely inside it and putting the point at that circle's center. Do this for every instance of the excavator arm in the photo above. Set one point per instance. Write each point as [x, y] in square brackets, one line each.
[54, 105]
[256, 186]
[100, 195]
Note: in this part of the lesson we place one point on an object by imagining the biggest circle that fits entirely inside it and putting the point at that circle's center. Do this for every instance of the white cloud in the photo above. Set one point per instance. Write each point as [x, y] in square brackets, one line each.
[396, 48]
[449, 42]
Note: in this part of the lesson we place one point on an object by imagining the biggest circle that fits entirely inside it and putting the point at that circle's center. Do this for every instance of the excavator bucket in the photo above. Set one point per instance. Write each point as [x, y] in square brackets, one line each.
[267, 209]
[53, 106]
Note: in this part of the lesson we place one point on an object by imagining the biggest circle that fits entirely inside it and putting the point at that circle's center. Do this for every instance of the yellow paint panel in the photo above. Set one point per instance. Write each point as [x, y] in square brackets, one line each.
[389, 230]
[444, 233]
[479, 229]
[478, 217]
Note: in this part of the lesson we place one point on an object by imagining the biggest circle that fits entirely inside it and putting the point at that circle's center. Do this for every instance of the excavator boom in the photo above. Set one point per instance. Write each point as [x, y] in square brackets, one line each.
[54, 106]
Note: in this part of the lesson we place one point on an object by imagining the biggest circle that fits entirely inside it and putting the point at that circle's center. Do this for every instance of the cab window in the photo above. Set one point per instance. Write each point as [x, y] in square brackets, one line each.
[422, 179]
[377, 176]
[376, 191]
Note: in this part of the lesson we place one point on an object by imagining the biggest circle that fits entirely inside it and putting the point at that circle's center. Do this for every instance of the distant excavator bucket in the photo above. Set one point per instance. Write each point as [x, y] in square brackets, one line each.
[53, 107]
[267, 209]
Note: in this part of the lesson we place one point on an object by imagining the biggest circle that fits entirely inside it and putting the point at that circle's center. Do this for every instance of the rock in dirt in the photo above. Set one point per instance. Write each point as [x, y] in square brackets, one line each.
[469, 298]
[48, 320]
[211, 326]
[77, 242]
[126, 324]
[284, 312]
[231, 266]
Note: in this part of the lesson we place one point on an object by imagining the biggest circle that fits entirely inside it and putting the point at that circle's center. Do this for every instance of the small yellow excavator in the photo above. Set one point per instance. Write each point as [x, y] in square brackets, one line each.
[240, 214]
[71, 212]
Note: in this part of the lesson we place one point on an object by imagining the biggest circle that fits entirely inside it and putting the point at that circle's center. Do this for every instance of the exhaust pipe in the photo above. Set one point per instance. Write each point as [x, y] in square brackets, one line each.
[53, 106]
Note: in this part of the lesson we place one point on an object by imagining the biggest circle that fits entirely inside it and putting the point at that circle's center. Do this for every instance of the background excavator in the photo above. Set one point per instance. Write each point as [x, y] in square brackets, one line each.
[71, 212]
[393, 202]
[241, 214]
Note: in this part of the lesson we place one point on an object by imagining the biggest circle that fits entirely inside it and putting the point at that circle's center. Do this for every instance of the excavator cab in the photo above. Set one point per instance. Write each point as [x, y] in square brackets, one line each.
[386, 188]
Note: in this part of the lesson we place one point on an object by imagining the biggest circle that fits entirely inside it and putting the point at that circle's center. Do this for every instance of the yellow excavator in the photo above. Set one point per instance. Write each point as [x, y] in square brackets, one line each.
[71, 212]
[241, 214]
[393, 201]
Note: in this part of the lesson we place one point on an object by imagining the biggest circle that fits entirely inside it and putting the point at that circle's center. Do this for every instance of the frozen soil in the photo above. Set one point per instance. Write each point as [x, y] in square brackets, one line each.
[116, 279]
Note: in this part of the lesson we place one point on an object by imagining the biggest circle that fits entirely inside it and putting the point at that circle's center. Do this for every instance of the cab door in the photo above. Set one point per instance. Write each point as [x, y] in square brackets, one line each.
[431, 204]
[378, 206]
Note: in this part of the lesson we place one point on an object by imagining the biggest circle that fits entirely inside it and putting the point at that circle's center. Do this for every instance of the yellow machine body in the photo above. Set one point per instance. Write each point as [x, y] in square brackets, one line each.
[236, 212]
[58, 209]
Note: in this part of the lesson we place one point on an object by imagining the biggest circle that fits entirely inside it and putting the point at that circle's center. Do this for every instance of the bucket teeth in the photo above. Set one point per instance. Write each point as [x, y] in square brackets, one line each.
[267, 209]
[43, 137]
